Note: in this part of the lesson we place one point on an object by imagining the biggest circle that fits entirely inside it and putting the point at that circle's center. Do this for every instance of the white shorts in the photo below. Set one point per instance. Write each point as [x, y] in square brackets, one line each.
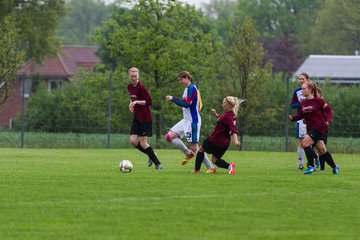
[187, 129]
[300, 129]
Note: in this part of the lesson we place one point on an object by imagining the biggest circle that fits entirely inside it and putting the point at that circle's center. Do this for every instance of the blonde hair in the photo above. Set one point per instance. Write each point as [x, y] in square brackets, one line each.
[134, 69]
[234, 102]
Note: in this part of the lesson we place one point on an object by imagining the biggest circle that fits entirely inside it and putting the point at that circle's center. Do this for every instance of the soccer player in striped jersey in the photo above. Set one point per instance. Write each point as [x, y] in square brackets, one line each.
[219, 141]
[190, 125]
[312, 110]
[141, 129]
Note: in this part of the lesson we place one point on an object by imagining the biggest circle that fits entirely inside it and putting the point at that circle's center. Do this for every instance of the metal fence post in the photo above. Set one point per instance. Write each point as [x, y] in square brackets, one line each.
[22, 110]
[109, 111]
[287, 107]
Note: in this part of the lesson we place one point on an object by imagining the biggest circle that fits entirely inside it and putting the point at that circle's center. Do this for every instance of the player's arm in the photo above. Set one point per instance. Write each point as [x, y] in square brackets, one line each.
[297, 117]
[328, 114]
[146, 98]
[236, 141]
[131, 106]
[185, 103]
[213, 111]
[190, 97]
[233, 132]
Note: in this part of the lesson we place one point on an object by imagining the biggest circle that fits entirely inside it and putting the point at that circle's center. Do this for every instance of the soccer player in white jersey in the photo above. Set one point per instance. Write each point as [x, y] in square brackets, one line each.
[190, 125]
[300, 125]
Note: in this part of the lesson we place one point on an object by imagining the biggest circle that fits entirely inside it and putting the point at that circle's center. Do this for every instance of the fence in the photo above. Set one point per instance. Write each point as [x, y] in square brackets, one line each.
[344, 136]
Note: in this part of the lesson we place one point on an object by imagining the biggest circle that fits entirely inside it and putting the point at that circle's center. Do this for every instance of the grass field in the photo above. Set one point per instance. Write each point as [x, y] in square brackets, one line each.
[81, 194]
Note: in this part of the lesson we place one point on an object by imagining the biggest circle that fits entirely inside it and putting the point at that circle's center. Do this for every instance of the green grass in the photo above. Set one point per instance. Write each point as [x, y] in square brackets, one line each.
[81, 194]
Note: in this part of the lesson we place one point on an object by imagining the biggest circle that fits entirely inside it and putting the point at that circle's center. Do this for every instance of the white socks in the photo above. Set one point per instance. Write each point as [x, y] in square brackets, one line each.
[301, 154]
[179, 144]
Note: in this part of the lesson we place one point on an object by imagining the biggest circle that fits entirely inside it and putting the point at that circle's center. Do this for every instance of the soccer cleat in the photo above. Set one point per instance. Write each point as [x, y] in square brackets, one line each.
[232, 168]
[310, 170]
[196, 171]
[336, 170]
[317, 163]
[211, 170]
[301, 167]
[187, 158]
[150, 163]
[158, 166]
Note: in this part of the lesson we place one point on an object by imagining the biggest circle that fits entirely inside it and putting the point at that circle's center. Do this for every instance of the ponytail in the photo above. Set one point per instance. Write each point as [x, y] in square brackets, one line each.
[234, 102]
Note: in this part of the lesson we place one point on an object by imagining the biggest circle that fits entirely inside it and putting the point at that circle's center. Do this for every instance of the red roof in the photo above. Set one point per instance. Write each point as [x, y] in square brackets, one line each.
[64, 64]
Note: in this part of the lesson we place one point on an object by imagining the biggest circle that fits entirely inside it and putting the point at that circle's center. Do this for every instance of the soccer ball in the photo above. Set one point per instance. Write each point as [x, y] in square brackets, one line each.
[126, 166]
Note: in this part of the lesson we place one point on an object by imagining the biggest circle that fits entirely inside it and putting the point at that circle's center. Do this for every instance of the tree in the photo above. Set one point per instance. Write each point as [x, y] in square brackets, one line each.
[81, 19]
[161, 38]
[11, 57]
[36, 23]
[220, 12]
[81, 106]
[338, 29]
[245, 74]
[284, 55]
[273, 18]
[286, 21]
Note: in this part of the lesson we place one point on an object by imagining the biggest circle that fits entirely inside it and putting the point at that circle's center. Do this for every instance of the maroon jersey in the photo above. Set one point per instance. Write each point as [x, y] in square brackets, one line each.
[224, 129]
[141, 112]
[312, 110]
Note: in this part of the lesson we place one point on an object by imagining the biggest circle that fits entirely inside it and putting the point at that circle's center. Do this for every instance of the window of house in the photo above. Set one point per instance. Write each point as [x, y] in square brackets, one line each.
[27, 87]
[55, 84]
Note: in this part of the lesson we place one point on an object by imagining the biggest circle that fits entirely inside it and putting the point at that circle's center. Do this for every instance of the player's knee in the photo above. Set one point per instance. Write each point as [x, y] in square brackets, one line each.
[322, 151]
[133, 142]
[168, 138]
[201, 149]
[305, 145]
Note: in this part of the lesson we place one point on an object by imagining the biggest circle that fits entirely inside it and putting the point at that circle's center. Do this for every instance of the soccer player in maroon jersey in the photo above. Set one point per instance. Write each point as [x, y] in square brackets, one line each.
[219, 140]
[312, 110]
[141, 127]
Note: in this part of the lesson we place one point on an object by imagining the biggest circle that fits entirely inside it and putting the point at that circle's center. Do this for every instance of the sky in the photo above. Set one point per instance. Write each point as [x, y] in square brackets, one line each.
[197, 3]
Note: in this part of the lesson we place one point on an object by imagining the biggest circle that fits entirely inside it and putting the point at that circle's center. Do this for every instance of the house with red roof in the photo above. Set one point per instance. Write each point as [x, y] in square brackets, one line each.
[55, 71]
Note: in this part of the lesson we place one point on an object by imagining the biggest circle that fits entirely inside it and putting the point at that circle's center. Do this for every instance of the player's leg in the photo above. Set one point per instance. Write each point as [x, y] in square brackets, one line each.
[310, 154]
[326, 156]
[217, 153]
[134, 135]
[300, 134]
[146, 131]
[149, 151]
[199, 159]
[174, 135]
